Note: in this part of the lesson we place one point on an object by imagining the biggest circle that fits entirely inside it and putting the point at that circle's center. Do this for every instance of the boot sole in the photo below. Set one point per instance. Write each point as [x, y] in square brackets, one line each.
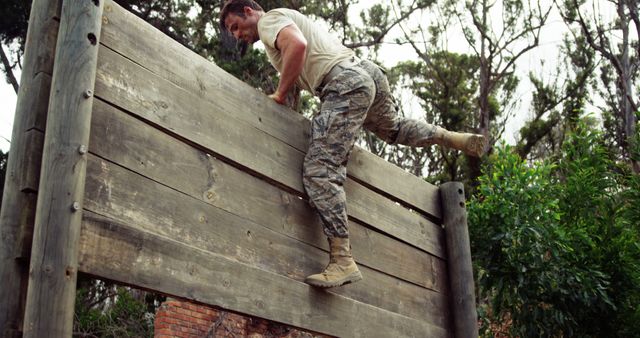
[475, 146]
[325, 285]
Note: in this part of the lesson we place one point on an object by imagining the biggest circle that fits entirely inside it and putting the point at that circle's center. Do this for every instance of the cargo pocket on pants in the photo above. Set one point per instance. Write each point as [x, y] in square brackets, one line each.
[322, 123]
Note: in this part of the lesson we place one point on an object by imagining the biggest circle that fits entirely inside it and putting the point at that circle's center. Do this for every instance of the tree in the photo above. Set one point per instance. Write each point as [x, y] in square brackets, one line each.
[498, 44]
[104, 309]
[445, 87]
[618, 45]
[499, 33]
[555, 243]
[556, 107]
[13, 28]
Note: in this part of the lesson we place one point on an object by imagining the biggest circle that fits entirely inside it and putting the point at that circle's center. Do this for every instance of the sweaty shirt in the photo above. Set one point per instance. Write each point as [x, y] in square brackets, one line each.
[324, 50]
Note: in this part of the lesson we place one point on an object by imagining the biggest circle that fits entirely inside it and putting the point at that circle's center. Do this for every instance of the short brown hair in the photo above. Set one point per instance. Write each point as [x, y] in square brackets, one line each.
[236, 7]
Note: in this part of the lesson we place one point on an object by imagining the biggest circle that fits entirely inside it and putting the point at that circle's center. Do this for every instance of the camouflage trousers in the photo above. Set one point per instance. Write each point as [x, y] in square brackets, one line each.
[357, 96]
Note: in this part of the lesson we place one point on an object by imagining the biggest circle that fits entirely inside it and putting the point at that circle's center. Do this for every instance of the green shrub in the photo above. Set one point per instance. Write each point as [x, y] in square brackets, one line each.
[555, 243]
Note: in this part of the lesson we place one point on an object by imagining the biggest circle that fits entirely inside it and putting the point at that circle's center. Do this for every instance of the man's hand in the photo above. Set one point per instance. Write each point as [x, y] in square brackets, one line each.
[280, 99]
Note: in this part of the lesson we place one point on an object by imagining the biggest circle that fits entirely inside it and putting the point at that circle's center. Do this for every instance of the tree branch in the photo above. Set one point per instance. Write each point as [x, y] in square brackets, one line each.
[382, 34]
[607, 54]
[481, 25]
[9, 70]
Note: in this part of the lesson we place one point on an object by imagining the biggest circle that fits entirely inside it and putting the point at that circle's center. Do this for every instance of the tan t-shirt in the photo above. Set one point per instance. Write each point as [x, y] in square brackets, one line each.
[324, 50]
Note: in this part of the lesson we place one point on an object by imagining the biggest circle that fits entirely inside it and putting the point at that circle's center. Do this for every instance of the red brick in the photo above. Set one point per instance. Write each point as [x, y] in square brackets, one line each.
[212, 312]
[160, 326]
[202, 321]
[172, 302]
[184, 311]
[186, 329]
[203, 309]
[202, 315]
[163, 331]
[193, 307]
[190, 320]
[171, 320]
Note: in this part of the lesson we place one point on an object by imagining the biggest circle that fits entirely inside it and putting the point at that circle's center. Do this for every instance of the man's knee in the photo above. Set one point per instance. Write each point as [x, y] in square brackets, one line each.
[323, 174]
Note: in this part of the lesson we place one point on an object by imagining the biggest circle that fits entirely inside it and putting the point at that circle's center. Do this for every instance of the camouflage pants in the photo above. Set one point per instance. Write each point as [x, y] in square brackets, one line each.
[358, 96]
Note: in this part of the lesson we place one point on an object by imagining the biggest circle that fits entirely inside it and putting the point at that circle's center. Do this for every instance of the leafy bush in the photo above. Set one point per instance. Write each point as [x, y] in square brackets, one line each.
[555, 244]
[107, 310]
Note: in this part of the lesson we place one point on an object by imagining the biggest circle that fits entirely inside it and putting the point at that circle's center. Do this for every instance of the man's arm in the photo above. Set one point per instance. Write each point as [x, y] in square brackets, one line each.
[293, 46]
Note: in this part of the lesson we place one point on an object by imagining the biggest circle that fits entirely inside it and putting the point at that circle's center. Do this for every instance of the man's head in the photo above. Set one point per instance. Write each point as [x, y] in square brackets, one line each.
[240, 18]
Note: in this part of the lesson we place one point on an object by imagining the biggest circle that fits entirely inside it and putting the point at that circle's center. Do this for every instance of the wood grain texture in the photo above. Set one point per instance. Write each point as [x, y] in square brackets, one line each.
[225, 94]
[138, 202]
[19, 204]
[131, 87]
[30, 174]
[53, 269]
[463, 300]
[39, 90]
[159, 263]
[131, 143]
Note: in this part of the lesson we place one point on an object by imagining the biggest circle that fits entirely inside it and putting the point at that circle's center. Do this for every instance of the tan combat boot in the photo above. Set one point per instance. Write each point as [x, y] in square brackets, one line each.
[342, 269]
[470, 144]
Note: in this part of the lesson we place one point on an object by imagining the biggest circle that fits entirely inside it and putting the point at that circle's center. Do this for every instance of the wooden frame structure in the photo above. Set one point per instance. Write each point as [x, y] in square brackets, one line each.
[157, 169]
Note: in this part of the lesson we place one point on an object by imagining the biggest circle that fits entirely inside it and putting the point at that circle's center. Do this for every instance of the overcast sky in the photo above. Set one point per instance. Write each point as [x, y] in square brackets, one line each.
[391, 54]
[8, 99]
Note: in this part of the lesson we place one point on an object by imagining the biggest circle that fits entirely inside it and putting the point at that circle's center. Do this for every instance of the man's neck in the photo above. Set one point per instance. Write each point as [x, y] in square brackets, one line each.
[259, 14]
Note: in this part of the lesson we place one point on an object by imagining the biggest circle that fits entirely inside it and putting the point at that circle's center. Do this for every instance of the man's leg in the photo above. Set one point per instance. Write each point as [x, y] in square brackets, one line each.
[384, 121]
[334, 130]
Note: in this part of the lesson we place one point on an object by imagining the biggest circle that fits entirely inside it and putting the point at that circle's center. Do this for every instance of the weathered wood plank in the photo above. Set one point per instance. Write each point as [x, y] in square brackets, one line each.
[131, 199]
[463, 297]
[394, 219]
[158, 263]
[18, 206]
[133, 88]
[408, 189]
[40, 88]
[133, 144]
[30, 175]
[228, 95]
[53, 268]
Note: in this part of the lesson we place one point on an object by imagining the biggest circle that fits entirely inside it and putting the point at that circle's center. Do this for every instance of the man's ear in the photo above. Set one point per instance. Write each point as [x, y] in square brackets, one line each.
[247, 10]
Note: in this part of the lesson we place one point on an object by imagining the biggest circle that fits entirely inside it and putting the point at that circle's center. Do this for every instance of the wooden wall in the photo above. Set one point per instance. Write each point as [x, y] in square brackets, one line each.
[193, 189]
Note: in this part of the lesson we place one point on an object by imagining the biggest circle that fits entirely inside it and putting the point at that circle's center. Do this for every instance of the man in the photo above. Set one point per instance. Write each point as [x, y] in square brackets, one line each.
[354, 93]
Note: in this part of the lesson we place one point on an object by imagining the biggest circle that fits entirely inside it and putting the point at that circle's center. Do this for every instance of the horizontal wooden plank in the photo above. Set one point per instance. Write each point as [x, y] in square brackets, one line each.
[131, 87]
[138, 41]
[135, 201]
[133, 144]
[120, 253]
[374, 172]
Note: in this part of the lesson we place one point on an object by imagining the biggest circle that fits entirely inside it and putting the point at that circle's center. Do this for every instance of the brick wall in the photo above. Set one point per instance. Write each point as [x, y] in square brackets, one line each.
[176, 318]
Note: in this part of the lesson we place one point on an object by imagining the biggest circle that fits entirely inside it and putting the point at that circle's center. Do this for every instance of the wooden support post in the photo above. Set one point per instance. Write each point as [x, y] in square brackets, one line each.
[463, 305]
[23, 169]
[54, 256]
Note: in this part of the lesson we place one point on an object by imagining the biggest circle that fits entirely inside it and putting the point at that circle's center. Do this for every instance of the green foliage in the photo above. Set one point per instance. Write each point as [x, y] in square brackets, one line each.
[598, 198]
[556, 105]
[445, 86]
[15, 16]
[555, 243]
[525, 261]
[106, 310]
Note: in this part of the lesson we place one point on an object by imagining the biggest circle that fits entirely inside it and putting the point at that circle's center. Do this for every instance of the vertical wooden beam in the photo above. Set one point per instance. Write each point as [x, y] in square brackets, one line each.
[463, 304]
[54, 255]
[23, 169]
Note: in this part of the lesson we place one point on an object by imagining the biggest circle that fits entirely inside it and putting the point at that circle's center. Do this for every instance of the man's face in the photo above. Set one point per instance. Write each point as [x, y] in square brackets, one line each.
[245, 29]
